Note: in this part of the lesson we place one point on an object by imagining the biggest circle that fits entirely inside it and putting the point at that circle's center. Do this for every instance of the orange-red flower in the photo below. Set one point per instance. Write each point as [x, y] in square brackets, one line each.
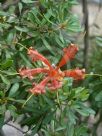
[40, 88]
[53, 75]
[77, 74]
[69, 53]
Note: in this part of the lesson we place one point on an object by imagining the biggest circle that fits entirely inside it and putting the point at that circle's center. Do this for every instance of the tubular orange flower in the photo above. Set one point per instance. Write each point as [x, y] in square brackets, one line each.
[53, 75]
[77, 74]
[55, 85]
[69, 53]
[25, 72]
[40, 88]
[37, 56]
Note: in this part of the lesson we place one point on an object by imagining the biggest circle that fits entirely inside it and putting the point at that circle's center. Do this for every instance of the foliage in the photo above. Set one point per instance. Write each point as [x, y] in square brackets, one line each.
[94, 82]
[48, 26]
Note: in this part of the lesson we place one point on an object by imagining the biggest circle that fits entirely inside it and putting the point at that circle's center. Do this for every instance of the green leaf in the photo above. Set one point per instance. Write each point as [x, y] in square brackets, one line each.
[10, 37]
[2, 109]
[14, 100]
[82, 129]
[2, 13]
[47, 17]
[2, 94]
[98, 97]
[34, 17]
[70, 129]
[48, 117]
[36, 128]
[13, 90]
[1, 121]
[6, 64]
[73, 2]
[6, 26]
[67, 84]
[47, 45]
[28, 1]
[25, 60]
[48, 100]
[61, 37]
[87, 109]
[24, 29]
[81, 93]
[83, 112]
[31, 17]
[12, 73]
[12, 110]
[58, 41]
[20, 7]
[99, 41]
[4, 79]
[60, 128]
[71, 116]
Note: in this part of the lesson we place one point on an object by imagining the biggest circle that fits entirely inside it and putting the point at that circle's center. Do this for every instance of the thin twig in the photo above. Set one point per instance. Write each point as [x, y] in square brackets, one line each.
[30, 95]
[22, 45]
[27, 100]
[93, 75]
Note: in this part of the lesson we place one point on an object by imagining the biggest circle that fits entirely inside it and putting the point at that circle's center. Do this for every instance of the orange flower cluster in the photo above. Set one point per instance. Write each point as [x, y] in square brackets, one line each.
[53, 75]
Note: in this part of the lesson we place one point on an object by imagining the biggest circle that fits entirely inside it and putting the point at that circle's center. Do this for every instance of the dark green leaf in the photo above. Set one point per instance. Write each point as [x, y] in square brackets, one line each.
[20, 7]
[6, 64]
[1, 121]
[47, 45]
[24, 29]
[98, 97]
[5, 80]
[13, 90]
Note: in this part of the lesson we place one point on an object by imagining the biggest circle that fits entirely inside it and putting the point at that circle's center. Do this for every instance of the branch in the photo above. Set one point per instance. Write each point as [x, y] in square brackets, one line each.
[86, 38]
